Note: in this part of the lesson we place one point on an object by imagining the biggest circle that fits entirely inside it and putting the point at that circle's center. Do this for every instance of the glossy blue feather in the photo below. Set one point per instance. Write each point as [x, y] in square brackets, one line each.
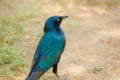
[49, 48]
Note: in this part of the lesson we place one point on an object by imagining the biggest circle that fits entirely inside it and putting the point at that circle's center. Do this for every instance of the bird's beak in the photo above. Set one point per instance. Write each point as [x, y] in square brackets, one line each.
[64, 17]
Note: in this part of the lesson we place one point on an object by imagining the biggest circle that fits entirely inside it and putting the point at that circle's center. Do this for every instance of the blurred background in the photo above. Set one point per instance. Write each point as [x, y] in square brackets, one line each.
[92, 31]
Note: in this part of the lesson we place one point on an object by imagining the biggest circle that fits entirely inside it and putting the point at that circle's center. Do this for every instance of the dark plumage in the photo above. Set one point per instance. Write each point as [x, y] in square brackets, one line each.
[49, 49]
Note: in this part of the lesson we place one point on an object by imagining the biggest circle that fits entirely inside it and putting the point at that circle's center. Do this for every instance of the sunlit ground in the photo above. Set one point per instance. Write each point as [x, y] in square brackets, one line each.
[92, 32]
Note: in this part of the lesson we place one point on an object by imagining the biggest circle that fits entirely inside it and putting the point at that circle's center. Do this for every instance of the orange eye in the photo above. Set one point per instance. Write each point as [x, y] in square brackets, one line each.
[58, 19]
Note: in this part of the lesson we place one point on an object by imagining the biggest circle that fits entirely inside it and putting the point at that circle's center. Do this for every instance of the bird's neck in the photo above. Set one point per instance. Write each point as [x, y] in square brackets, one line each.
[55, 31]
[52, 28]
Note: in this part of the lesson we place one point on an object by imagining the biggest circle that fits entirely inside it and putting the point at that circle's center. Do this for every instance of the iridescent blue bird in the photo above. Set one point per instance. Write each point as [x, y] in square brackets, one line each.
[49, 49]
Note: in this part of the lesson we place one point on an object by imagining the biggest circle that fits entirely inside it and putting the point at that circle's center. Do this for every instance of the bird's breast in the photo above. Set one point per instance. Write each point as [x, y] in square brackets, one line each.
[57, 42]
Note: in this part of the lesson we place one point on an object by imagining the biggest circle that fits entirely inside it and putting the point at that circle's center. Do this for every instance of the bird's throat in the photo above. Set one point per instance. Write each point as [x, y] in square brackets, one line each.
[57, 29]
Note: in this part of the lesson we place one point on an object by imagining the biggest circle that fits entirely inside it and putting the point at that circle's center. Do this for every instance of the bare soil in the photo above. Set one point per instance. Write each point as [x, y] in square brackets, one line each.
[93, 39]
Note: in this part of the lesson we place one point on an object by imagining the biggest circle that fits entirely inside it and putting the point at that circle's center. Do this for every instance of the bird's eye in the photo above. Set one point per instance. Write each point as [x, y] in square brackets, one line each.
[58, 20]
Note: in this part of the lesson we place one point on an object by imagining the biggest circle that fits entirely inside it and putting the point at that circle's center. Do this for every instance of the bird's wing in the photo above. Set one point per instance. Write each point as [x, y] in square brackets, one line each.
[47, 52]
[36, 56]
[38, 53]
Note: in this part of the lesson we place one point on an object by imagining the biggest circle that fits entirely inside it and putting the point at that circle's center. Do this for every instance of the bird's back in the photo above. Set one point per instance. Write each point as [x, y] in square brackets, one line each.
[48, 51]
[52, 45]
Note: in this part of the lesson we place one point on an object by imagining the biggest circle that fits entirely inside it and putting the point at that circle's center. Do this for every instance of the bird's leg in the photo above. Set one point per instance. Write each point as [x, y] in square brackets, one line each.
[55, 71]
[59, 78]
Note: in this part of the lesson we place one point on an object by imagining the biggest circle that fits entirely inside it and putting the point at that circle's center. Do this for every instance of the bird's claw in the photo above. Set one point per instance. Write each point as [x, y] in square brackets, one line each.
[59, 78]
[62, 79]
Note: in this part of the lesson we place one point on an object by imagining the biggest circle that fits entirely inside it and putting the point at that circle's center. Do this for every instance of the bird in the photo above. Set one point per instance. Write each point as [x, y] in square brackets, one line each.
[49, 49]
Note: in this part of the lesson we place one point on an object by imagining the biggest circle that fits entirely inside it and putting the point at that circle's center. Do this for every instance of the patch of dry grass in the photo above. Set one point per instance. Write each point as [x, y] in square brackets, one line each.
[92, 33]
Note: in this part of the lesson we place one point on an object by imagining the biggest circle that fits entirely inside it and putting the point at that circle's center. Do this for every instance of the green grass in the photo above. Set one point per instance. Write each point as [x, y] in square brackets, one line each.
[96, 2]
[9, 31]
[12, 59]
[93, 2]
[96, 69]
[12, 56]
[24, 14]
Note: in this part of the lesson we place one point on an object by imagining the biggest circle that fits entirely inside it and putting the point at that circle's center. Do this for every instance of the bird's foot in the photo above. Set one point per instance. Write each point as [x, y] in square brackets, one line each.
[62, 79]
[59, 78]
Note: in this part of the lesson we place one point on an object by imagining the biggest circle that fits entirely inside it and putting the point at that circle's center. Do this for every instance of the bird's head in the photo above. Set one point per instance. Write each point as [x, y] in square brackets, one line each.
[53, 23]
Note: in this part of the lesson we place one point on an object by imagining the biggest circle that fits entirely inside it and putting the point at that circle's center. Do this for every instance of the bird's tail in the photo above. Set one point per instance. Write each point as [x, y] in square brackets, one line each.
[34, 75]
[31, 76]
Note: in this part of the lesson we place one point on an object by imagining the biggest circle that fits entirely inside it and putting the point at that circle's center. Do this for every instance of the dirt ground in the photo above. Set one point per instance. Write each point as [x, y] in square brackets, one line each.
[93, 39]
